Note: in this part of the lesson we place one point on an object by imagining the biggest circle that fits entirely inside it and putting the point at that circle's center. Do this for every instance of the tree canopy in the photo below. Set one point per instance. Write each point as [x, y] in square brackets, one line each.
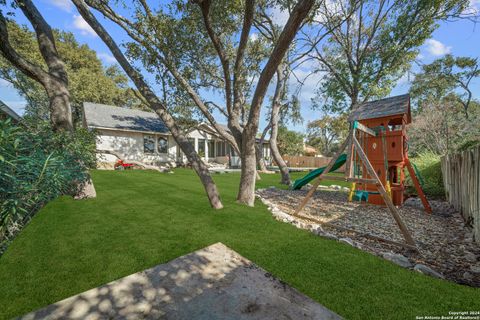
[365, 57]
[85, 71]
[289, 142]
[447, 78]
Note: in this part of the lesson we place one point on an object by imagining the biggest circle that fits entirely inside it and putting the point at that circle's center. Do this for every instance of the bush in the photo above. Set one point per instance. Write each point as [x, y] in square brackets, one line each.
[429, 166]
[36, 166]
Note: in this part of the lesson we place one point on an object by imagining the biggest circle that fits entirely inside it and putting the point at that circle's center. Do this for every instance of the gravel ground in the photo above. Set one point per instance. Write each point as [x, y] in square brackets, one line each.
[445, 244]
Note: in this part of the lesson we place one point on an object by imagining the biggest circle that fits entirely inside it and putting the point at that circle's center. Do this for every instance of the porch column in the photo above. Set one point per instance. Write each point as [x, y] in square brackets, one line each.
[206, 149]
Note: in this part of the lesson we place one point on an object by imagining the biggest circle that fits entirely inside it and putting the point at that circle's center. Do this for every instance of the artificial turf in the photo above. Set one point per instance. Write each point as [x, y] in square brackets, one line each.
[142, 218]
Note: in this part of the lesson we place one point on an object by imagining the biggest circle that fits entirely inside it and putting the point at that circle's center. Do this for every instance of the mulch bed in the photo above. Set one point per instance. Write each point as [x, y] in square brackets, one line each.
[445, 243]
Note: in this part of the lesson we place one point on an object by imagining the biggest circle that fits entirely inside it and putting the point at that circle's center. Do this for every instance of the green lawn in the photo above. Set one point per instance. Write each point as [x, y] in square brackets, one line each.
[140, 219]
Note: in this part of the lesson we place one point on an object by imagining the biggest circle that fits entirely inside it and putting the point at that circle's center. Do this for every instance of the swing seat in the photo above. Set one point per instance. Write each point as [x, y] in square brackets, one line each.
[360, 195]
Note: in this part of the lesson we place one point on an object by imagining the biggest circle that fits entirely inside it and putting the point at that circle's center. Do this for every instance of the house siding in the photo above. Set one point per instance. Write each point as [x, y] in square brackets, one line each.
[129, 145]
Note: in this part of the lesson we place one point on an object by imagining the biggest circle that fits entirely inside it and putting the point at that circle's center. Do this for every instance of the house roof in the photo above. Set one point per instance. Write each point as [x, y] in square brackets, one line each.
[105, 116]
[397, 105]
[8, 111]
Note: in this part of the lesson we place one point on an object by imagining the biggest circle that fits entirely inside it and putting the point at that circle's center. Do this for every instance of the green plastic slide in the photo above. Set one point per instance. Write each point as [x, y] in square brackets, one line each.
[297, 184]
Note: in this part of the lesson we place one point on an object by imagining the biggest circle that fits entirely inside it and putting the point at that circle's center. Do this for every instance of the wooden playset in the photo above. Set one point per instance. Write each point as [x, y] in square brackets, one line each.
[376, 158]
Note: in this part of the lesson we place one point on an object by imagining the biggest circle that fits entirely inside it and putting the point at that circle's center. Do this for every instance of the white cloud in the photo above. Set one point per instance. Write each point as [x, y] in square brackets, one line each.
[436, 48]
[473, 8]
[83, 26]
[65, 5]
[253, 37]
[106, 57]
[279, 16]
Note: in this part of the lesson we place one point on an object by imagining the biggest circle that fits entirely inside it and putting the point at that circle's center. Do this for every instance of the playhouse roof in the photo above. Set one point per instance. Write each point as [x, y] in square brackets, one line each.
[392, 106]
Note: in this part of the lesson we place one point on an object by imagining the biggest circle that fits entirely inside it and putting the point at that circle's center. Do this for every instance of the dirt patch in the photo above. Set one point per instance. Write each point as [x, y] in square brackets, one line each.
[445, 244]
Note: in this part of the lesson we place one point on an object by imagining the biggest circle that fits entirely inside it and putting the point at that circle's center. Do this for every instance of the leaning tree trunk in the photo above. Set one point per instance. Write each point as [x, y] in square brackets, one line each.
[278, 157]
[155, 103]
[275, 117]
[59, 106]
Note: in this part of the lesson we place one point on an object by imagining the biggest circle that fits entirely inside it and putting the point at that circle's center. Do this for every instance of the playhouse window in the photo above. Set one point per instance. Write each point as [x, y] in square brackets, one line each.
[162, 145]
[148, 144]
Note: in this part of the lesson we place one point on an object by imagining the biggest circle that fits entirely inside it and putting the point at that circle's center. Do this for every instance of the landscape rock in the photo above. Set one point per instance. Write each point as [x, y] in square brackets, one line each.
[87, 192]
[347, 241]
[329, 236]
[346, 189]
[467, 275]
[470, 257]
[428, 271]
[398, 259]
[335, 187]
[475, 268]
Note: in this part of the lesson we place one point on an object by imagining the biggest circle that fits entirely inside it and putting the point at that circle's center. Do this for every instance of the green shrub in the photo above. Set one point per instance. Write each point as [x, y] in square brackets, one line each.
[36, 166]
[429, 166]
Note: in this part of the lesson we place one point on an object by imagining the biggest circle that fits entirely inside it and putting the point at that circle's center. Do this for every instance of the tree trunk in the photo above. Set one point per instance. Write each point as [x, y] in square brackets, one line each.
[55, 80]
[259, 154]
[259, 149]
[275, 118]
[278, 157]
[155, 104]
[60, 109]
[246, 191]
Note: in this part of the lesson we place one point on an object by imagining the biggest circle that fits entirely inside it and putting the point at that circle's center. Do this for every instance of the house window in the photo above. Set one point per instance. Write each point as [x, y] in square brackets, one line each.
[192, 142]
[265, 150]
[201, 147]
[162, 145]
[211, 149]
[221, 149]
[148, 144]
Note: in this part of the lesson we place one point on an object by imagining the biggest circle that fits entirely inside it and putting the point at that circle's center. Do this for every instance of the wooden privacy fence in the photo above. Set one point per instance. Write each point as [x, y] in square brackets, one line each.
[307, 162]
[461, 177]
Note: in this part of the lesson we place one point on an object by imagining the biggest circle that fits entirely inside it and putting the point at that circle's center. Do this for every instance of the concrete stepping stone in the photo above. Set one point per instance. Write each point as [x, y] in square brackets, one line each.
[211, 283]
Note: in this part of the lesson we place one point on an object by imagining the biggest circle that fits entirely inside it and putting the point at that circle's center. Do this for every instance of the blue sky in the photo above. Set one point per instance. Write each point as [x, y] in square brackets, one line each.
[460, 38]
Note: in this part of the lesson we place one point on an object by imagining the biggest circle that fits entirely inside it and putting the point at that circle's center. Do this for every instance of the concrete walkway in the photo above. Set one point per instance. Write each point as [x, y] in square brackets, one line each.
[211, 283]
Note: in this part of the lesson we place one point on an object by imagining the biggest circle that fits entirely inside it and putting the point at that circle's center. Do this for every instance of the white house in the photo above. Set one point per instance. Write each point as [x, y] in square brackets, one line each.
[142, 136]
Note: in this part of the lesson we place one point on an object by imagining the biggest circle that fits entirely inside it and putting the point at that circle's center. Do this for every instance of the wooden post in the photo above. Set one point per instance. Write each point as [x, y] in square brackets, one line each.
[319, 179]
[348, 166]
[383, 193]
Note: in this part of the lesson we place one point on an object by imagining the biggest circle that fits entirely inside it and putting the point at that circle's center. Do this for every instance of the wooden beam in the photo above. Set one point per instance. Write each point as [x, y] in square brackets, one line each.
[349, 164]
[320, 177]
[418, 187]
[383, 193]
[362, 234]
[346, 179]
[364, 128]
